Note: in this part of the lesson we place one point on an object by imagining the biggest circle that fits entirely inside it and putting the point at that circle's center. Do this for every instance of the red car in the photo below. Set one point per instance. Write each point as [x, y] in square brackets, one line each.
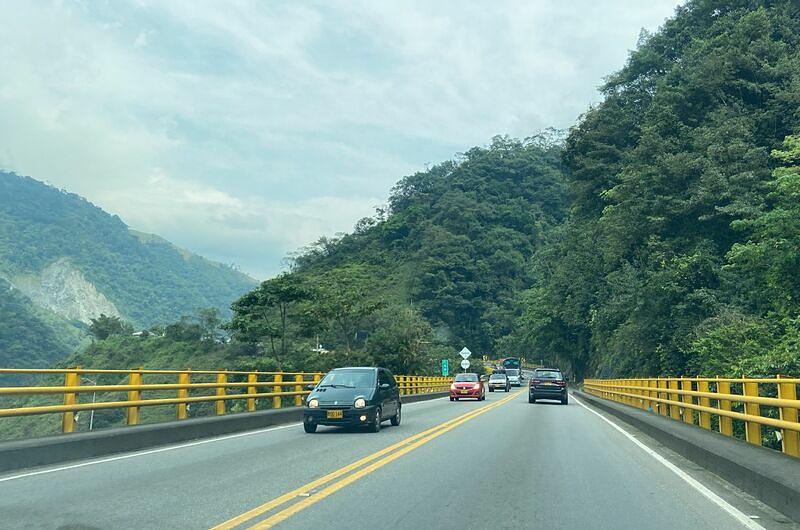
[467, 386]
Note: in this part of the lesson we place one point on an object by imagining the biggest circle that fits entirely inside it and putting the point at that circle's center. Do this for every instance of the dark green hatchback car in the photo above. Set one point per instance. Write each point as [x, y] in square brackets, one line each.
[353, 397]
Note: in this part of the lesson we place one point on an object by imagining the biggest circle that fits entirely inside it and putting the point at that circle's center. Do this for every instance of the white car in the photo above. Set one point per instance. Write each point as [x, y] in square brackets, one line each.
[498, 382]
[514, 377]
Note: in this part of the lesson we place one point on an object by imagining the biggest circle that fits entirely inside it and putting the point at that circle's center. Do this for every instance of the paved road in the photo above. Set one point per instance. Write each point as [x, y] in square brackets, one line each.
[501, 463]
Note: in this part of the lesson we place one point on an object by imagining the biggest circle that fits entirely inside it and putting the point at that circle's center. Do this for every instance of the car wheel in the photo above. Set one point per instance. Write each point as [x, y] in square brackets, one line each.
[375, 426]
[309, 427]
[531, 399]
[491, 390]
[397, 417]
[452, 399]
[565, 400]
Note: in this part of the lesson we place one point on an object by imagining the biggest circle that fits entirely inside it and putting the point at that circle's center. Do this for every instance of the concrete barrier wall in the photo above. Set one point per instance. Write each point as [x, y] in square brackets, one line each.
[770, 476]
[25, 454]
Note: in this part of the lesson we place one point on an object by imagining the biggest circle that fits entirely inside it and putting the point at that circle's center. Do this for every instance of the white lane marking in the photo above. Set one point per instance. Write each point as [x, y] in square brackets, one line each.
[423, 401]
[745, 520]
[148, 452]
[168, 448]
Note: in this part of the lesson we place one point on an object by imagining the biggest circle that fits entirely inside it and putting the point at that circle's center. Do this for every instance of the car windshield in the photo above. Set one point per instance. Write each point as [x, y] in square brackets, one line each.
[349, 379]
[498, 376]
[467, 378]
[548, 374]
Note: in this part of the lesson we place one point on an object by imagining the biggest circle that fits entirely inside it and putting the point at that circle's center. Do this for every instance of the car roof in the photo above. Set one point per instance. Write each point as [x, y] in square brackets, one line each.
[546, 370]
[357, 368]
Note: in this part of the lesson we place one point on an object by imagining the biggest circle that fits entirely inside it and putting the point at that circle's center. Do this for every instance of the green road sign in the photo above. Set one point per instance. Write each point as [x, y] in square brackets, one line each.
[445, 367]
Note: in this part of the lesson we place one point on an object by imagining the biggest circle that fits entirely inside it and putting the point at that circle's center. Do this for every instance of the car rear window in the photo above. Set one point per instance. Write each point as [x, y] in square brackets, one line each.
[498, 376]
[512, 371]
[470, 378]
[547, 374]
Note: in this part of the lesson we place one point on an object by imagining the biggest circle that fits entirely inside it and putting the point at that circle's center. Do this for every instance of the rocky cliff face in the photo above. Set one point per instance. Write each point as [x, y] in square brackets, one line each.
[63, 289]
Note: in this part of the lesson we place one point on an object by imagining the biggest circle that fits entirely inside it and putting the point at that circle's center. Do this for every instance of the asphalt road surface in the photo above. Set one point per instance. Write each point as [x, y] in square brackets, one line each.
[502, 463]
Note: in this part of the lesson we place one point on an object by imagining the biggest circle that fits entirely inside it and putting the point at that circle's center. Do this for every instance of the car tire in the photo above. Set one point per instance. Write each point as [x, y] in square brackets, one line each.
[491, 390]
[375, 426]
[452, 399]
[397, 417]
[531, 400]
[565, 401]
[309, 427]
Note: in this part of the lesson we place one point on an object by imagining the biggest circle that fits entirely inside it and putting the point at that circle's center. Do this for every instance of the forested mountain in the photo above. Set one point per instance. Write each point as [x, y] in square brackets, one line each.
[436, 270]
[64, 261]
[680, 255]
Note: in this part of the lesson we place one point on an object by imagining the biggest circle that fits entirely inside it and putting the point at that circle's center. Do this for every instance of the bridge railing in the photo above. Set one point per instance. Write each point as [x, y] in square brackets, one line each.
[178, 388]
[716, 403]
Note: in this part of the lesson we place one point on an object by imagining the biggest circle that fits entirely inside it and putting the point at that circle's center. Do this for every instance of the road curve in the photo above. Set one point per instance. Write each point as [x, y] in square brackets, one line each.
[502, 463]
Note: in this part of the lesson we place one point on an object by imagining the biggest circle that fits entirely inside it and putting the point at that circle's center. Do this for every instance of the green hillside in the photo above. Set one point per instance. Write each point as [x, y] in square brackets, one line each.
[146, 279]
[680, 255]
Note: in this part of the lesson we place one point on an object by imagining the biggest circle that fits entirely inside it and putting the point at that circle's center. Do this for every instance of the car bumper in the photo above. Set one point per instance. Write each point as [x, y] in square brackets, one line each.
[539, 393]
[468, 394]
[349, 417]
[501, 387]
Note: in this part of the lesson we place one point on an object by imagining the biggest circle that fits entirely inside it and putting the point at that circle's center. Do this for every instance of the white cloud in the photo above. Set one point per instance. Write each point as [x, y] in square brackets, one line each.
[246, 129]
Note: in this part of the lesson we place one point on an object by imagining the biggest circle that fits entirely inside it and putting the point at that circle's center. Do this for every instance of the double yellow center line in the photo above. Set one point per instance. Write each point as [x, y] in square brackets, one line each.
[375, 460]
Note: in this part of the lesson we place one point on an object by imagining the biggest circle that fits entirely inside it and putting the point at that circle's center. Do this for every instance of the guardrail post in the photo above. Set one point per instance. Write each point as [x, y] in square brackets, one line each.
[688, 414]
[663, 408]
[251, 389]
[674, 410]
[181, 412]
[653, 393]
[219, 405]
[298, 399]
[752, 429]
[276, 400]
[790, 440]
[705, 417]
[70, 398]
[725, 423]
[135, 379]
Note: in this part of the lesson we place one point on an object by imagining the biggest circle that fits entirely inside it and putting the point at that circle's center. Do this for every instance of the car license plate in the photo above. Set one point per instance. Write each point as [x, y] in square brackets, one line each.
[465, 391]
[335, 414]
[549, 384]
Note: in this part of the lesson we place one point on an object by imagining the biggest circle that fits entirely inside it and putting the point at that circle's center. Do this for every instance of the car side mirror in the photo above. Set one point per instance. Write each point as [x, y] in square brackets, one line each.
[566, 379]
[310, 387]
[384, 386]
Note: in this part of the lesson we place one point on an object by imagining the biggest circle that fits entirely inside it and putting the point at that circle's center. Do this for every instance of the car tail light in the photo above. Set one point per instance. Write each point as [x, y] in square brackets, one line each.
[535, 381]
[561, 383]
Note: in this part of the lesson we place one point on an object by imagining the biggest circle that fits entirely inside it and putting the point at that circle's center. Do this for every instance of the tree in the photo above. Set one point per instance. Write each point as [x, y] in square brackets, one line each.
[209, 322]
[344, 297]
[265, 313]
[106, 326]
[400, 339]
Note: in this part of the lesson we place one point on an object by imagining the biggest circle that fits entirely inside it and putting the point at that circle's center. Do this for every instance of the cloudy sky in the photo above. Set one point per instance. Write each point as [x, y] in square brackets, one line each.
[244, 130]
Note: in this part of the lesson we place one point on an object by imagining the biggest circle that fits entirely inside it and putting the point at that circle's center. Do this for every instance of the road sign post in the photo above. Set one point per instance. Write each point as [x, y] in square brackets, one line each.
[445, 367]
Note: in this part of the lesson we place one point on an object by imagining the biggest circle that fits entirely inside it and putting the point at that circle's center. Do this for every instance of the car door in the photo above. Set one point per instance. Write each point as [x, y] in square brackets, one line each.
[395, 390]
[388, 405]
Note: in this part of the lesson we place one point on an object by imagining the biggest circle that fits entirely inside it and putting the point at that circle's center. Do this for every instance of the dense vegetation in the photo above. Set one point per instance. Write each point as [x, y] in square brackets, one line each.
[680, 255]
[148, 280]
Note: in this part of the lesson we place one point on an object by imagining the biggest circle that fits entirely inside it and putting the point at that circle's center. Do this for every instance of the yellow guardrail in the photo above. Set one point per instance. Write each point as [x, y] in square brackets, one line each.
[227, 386]
[695, 400]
